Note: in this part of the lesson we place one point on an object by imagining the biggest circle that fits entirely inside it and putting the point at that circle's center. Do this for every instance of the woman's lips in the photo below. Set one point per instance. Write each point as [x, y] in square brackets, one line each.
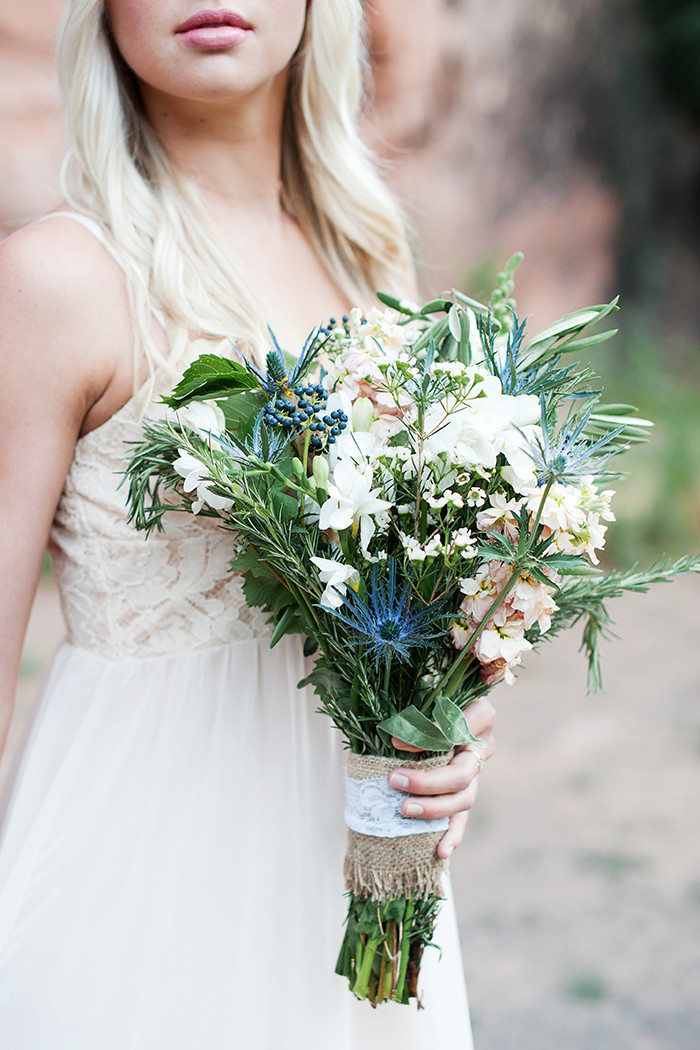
[213, 30]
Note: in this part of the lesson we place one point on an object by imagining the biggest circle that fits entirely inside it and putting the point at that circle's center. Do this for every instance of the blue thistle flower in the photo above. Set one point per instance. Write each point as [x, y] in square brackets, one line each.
[384, 623]
[278, 378]
[513, 381]
[568, 455]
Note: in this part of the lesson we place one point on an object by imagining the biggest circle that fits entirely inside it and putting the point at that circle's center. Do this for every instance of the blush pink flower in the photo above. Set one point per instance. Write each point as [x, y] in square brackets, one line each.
[501, 516]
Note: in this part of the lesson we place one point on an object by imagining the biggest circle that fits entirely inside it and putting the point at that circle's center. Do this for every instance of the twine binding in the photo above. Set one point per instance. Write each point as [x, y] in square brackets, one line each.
[382, 869]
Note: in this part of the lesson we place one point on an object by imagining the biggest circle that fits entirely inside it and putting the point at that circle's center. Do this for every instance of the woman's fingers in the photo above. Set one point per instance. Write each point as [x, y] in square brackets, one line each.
[455, 833]
[444, 780]
[401, 745]
[481, 717]
[449, 791]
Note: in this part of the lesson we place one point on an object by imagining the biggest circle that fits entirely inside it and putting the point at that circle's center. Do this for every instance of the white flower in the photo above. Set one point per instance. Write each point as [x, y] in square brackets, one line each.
[204, 417]
[197, 477]
[336, 575]
[463, 540]
[562, 507]
[502, 643]
[596, 502]
[352, 501]
[448, 497]
[476, 497]
[433, 547]
[450, 368]
[418, 553]
[473, 431]
[414, 551]
[190, 468]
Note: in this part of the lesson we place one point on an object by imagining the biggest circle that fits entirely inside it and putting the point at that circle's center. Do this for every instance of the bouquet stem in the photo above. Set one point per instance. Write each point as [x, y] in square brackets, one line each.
[394, 881]
[383, 946]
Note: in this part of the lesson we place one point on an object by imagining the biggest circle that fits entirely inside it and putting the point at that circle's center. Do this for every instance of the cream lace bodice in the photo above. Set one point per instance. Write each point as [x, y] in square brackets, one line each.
[124, 595]
[127, 596]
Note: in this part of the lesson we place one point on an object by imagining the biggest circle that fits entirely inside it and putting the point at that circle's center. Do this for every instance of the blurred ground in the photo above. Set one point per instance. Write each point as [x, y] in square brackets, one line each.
[578, 885]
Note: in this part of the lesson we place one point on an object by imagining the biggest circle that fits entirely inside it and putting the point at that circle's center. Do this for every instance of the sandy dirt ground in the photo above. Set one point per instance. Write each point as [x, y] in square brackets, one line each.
[578, 884]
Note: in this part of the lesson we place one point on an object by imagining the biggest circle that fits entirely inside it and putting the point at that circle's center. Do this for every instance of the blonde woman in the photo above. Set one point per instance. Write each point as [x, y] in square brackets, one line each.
[170, 852]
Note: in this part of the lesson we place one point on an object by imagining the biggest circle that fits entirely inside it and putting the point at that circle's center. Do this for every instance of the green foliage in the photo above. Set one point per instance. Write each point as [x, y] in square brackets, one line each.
[211, 376]
[448, 729]
[383, 945]
[584, 600]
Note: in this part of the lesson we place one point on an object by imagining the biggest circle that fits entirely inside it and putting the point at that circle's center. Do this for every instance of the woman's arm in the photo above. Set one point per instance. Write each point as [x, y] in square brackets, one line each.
[63, 315]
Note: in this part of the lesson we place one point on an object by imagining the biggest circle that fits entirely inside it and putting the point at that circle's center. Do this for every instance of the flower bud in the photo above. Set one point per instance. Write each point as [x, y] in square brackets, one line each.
[298, 468]
[362, 414]
[320, 469]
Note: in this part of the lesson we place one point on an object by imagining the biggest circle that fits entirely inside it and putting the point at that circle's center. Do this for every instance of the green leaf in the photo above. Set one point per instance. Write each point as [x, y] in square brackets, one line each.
[264, 592]
[240, 412]
[211, 376]
[394, 303]
[558, 337]
[467, 301]
[453, 723]
[454, 322]
[572, 346]
[261, 587]
[310, 646]
[287, 620]
[324, 681]
[436, 306]
[565, 562]
[284, 504]
[411, 726]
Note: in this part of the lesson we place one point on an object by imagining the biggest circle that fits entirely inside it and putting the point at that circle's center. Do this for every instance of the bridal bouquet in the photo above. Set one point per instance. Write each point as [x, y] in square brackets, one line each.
[422, 494]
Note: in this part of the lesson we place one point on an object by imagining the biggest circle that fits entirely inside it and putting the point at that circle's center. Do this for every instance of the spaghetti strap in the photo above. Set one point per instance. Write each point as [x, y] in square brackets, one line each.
[99, 234]
[92, 226]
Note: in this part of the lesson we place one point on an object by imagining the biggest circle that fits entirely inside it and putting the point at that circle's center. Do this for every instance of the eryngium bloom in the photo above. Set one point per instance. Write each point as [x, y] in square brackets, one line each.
[568, 455]
[385, 623]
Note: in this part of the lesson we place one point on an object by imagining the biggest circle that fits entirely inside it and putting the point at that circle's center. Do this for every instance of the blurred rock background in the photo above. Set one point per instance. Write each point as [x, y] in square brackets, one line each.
[572, 132]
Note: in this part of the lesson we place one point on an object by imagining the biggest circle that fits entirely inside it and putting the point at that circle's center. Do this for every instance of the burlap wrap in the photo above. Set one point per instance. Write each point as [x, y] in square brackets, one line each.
[381, 869]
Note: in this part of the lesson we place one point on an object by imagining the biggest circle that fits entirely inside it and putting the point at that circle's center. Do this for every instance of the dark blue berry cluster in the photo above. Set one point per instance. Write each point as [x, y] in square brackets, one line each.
[299, 411]
[324, 431]
[327, 329]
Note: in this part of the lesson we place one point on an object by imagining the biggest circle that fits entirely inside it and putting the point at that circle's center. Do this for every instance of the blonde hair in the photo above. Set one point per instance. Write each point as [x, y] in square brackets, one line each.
[116, 171]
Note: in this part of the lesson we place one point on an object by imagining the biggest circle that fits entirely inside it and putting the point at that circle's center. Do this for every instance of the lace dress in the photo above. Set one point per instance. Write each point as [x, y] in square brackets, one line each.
[171, 845]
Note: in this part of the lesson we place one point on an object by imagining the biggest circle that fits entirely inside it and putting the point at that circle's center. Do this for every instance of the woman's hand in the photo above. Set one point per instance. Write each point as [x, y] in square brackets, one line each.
[449, 791]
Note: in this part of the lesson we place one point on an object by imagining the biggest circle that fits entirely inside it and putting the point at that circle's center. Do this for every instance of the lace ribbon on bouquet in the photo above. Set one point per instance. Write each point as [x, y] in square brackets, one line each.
[389, 855]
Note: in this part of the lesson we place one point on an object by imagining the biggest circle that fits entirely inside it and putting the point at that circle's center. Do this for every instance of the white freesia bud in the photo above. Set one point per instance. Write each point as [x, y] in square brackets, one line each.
[453, 323]
[362, 414]
[297, 468]
[320, 469]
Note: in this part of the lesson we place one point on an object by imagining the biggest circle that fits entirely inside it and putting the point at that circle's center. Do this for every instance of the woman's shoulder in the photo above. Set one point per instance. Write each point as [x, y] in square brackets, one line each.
[61, 290]
[67, 330]
[57, 257]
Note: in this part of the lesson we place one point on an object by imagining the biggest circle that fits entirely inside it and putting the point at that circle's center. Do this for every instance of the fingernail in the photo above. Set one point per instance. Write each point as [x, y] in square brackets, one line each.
[399, 780]
[413, 809]
[449, 851]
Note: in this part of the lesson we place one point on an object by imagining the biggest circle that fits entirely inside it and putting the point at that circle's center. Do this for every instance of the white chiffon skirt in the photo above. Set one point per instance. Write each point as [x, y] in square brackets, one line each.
[171, 867]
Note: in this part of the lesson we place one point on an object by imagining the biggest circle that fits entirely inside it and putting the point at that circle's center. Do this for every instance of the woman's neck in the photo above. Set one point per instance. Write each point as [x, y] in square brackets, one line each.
[232, 153]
